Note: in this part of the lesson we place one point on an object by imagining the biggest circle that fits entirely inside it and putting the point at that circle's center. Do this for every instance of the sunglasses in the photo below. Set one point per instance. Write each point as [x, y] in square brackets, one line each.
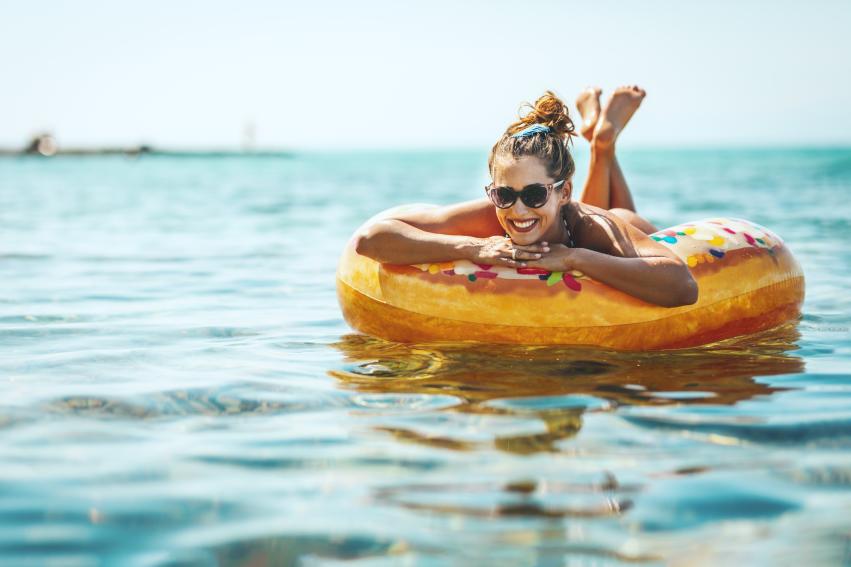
[533, 196]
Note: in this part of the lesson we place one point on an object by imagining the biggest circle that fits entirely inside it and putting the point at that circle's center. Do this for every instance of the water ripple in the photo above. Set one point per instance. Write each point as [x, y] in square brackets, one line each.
[178, 387]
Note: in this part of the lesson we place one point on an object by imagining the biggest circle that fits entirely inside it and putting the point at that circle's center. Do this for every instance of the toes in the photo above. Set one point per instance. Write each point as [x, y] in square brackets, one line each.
[590, 92]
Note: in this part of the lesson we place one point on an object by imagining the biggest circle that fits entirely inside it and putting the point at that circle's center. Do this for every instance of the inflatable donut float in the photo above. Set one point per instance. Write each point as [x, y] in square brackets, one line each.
[747, 278]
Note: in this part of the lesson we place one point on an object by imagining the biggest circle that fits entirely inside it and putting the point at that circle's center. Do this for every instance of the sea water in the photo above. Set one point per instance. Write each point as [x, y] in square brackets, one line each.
[178, 387]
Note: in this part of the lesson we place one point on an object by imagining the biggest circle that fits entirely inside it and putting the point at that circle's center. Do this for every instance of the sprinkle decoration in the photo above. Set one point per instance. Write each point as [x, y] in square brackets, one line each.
[533, 271]
[701, 242]
[554, 278]
[571, 282]
[486, 275]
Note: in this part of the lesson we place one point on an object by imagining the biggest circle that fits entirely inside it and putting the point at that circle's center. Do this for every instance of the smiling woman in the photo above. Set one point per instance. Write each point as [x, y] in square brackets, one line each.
[529, 219]
[628, 286]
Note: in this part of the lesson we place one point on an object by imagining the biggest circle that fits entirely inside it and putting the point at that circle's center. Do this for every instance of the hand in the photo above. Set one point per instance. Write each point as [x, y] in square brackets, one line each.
[501, 251]
[560, 258]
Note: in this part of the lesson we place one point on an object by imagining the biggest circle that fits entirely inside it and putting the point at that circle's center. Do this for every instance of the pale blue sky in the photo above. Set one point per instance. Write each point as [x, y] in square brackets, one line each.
[383, 73]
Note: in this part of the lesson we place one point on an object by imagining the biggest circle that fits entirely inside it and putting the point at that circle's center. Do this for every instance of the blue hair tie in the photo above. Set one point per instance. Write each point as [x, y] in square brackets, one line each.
[531, 130]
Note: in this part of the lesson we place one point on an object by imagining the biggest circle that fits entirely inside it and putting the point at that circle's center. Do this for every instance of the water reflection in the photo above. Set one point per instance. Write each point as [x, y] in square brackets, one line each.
[557, 386]
[540, 498]
[301, 549]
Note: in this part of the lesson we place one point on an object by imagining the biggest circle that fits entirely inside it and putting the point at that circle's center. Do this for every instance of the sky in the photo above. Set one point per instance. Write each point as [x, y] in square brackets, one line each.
[418, 74]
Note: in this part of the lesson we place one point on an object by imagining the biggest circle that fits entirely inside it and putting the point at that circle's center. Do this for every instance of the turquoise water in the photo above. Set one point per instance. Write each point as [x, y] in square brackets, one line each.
[177, 385]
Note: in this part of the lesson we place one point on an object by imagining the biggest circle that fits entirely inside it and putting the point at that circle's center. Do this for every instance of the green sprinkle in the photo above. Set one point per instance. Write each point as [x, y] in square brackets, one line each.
[554, 278]
[472, 277]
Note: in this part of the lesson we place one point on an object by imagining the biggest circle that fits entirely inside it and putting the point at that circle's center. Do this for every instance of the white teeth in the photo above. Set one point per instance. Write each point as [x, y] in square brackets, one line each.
[524, 224]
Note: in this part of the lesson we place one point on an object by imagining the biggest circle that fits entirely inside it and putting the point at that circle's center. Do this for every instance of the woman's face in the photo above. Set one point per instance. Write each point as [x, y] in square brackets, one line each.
[523, 224]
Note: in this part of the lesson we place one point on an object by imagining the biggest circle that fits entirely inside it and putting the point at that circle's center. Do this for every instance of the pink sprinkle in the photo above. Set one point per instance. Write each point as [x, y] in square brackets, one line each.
[730, 230]
[486, 275]
[571, 282]
[749, 238]
[485, 266]
[449, 272]
[532, 272]
[669, 233]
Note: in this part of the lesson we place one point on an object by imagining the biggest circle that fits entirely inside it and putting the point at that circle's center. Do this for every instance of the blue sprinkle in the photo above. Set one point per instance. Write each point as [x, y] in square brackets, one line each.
[716, 253]
[543, 278]
[670, 239]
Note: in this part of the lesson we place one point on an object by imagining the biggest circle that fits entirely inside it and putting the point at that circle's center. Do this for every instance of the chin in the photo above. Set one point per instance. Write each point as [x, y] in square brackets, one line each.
[524, 238]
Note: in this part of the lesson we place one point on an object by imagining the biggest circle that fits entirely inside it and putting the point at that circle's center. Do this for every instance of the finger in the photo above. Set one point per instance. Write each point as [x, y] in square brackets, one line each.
[512, 263]
[540, 247]
[523, 255]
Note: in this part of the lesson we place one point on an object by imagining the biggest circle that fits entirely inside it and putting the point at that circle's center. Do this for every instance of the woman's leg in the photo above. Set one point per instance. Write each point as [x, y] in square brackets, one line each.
[620, 196]
[597, 189]
[635, 220]
[597, 186]
[606, 185]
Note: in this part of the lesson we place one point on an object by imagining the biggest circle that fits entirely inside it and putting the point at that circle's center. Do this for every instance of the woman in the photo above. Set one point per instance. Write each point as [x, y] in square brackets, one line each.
[528, 218]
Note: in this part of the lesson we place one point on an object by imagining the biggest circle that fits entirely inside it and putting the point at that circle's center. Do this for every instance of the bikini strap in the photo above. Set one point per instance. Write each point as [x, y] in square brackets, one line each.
[570, 242]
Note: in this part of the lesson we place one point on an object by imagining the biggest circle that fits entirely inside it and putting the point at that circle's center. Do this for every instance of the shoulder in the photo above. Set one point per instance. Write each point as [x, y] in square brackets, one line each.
[592, 226]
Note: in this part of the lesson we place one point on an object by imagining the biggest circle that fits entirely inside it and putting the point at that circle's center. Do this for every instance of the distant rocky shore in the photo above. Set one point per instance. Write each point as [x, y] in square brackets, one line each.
[45, 145]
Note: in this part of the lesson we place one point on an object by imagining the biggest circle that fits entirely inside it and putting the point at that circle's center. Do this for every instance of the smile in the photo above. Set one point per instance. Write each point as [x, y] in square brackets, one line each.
[524, 225]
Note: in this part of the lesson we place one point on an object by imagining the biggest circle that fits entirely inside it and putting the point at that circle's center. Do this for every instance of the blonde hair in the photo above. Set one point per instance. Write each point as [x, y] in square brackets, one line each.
[551, 147]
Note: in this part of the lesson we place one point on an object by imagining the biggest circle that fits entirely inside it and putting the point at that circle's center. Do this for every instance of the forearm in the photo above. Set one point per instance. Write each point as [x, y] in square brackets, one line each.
[658, 280]
[396, 242]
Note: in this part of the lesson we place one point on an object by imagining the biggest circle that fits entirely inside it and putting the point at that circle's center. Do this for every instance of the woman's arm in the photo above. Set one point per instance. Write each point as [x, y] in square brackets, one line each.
[655, 279]
[466, 231]
[618, 254]
[393, 241]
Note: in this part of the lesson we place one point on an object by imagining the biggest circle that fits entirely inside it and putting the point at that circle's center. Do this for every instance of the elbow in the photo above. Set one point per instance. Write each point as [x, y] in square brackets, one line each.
[363, 243]
[686, 293]
[371, 242]
[680, 288]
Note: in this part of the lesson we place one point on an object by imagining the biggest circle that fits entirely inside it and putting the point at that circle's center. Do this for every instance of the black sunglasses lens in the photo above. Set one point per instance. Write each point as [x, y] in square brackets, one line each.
[503, 197]
[534, 196]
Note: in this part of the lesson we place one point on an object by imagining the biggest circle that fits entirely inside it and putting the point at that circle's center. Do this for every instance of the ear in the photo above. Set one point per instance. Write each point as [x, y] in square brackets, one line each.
[566, 193]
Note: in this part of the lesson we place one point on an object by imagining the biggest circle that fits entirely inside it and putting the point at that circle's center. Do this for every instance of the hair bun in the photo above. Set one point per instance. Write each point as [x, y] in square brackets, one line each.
[548, 110]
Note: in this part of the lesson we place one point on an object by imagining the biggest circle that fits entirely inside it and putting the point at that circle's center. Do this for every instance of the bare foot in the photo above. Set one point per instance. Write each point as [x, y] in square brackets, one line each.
[621, 106]
[588, 103]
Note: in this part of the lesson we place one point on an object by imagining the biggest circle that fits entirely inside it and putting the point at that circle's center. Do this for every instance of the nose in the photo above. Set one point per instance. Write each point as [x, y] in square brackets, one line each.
[519, 208]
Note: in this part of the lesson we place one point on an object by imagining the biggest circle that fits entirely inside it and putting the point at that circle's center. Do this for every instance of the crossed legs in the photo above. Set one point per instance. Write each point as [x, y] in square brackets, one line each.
[606, 185]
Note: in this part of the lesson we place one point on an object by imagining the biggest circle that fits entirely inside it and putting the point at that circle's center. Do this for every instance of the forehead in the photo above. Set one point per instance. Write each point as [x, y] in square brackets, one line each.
[519, 172]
